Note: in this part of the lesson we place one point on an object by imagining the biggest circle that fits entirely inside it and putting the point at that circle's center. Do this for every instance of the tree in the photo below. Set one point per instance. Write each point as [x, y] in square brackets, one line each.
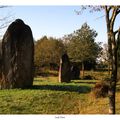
[104, 57]
[118, 75]
[113, 43]
[111, 13]
[82, 46]
[48, 52]
[4, 20]
[118, 56]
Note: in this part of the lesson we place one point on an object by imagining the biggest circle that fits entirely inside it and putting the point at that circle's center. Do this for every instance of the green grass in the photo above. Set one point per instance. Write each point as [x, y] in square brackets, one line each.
[98, 75]
[48, 96]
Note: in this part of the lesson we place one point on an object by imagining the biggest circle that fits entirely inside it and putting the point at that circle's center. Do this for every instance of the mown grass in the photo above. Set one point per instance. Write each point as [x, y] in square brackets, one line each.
[47, 96]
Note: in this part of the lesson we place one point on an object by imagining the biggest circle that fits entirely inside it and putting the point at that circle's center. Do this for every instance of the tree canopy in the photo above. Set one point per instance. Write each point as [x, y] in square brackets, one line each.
[81, 45]
[48, 51]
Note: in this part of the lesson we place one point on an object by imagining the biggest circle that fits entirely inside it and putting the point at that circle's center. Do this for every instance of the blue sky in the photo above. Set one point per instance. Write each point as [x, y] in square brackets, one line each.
[57, 21]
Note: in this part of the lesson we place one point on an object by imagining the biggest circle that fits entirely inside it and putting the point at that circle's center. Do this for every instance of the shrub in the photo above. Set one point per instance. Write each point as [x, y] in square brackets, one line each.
[100, 89]
[88, 77]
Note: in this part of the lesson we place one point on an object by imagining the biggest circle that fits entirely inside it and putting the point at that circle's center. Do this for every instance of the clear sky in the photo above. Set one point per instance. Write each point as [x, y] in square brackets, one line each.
[57, 21]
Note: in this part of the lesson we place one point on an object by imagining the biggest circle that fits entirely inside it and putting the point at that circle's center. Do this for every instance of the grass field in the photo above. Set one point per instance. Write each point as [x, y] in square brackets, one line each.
[47, 96]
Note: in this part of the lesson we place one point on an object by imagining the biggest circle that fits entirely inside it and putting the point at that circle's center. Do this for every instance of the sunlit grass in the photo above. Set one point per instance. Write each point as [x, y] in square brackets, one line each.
[48, 96]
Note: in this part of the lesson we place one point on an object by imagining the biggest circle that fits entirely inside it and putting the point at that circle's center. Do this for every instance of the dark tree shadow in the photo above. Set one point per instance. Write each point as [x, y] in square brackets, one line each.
[38, 80]
[69, 88]
[47, 74]
[86, 82]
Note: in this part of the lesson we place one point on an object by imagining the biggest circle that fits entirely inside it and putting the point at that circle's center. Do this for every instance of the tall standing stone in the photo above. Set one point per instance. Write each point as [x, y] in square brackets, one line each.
[17, 56]
[75, 72]
[64, 70]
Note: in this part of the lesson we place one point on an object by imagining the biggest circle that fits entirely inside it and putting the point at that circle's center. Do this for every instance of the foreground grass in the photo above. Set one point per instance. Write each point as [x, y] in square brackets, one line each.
[47, 96]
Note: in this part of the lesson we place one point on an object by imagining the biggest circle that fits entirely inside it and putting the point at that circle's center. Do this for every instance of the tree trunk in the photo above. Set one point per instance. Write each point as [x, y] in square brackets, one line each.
[83, 70]
[112, 54]
[112, 89]
[109, 68]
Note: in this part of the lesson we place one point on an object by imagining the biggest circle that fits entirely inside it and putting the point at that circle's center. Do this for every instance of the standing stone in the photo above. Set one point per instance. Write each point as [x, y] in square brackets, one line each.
[75, 72]
[64, 70]
[17, 56]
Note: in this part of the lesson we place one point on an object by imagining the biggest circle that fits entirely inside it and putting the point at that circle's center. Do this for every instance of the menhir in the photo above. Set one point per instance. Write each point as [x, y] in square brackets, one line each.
[17, 56]
[64, 70]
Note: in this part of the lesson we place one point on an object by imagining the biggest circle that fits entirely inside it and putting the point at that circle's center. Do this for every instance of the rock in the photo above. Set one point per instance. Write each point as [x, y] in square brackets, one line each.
[75, 72]
[64, 70]
[17, 56]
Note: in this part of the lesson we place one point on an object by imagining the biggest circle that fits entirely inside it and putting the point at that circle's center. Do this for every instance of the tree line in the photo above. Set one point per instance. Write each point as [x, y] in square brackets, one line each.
[80, 46]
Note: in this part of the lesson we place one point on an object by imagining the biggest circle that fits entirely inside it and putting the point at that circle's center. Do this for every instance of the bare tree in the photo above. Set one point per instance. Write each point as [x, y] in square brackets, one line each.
[4, 20]
[111, 13]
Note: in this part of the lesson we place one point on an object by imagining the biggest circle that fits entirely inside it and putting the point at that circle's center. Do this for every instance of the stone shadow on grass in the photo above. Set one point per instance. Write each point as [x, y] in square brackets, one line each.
[85, 82]
[69, 88]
